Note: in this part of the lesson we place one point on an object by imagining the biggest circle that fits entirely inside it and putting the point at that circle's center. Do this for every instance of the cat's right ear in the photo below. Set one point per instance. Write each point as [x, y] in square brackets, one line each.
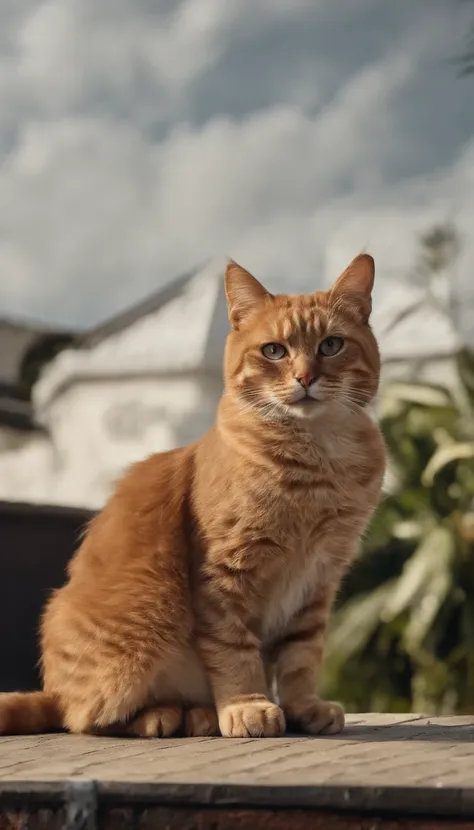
[243, 293]
[354, 286]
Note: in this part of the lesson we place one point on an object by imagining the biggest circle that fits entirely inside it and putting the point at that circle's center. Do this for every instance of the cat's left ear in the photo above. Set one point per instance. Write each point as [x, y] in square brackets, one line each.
[244, 293]
[354, 286]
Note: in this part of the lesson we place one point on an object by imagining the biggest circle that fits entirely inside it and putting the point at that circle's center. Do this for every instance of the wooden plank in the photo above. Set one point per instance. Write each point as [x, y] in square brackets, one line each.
[380, 765]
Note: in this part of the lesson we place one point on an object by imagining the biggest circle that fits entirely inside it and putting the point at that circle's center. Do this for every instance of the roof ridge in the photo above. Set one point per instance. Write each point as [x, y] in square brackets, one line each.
[152, 302]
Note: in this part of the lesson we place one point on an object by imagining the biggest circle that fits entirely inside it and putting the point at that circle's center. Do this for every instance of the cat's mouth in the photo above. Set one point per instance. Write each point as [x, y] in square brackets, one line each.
[307, 408]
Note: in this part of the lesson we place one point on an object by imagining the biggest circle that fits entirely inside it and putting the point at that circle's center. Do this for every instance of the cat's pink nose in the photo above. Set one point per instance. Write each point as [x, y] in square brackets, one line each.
[306, 380]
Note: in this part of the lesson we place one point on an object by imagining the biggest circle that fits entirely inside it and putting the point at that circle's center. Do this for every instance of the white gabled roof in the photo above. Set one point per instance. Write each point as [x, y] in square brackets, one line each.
[186, 333]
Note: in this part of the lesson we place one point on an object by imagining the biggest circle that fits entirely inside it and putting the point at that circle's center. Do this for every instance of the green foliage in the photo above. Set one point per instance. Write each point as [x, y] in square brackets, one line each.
[402, 637]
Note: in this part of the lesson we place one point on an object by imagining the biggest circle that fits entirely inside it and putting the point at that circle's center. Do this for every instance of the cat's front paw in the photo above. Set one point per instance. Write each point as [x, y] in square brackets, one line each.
[252, 719]
[322, 717]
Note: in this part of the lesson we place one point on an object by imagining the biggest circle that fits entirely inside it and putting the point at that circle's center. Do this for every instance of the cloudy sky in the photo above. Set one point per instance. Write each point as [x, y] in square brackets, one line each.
[140, 137]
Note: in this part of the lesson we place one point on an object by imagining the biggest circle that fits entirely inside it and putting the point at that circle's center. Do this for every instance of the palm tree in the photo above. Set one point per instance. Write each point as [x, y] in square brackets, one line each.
[402, 636]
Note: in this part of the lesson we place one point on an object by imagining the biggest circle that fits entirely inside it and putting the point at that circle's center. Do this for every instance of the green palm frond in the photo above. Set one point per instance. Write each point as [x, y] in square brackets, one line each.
[402, 634]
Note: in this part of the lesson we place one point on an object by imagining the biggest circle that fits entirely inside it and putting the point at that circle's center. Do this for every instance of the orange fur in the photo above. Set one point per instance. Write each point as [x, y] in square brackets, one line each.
[29, 714]
[204, 586]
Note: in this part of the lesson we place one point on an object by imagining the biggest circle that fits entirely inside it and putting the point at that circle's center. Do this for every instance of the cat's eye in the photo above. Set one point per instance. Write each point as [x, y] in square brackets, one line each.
[331, 346]
[273, 351]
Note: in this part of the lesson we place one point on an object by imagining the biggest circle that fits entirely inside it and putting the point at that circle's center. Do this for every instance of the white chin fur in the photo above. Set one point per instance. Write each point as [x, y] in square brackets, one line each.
[308, 410]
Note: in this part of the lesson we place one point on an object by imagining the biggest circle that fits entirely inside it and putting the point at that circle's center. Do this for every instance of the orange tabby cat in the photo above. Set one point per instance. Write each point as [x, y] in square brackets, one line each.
[206, 582]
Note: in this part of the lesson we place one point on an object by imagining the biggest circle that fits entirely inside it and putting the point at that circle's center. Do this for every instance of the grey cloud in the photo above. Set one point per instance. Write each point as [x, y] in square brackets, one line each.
[140, 138]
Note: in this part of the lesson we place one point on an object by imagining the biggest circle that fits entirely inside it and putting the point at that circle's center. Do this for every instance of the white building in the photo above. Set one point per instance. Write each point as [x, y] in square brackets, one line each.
[416, 334]
[150, 379]
[147, 381]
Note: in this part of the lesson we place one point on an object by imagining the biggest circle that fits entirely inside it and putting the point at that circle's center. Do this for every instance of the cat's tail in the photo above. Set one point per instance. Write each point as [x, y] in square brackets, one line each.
[29, 713]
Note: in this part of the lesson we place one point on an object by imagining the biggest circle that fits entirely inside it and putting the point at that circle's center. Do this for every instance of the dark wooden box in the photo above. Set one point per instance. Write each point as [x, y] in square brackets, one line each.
[36, 543]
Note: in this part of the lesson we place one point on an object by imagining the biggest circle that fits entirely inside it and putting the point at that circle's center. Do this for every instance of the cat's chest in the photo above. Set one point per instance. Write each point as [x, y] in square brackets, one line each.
[317, 537]
[289, 594]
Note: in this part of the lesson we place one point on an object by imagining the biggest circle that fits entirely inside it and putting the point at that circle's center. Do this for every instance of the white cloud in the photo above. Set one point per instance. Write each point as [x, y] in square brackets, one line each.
[132, 150]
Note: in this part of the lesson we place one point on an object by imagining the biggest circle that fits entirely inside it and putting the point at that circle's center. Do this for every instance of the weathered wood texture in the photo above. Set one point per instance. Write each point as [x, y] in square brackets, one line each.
[384, 771]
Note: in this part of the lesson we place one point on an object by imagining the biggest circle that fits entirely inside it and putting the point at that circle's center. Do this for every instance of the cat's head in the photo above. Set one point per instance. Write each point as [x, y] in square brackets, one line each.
[304, 355]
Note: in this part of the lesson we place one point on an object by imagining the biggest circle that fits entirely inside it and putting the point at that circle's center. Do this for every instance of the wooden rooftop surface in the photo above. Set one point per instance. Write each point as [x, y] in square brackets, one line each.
[406, 763]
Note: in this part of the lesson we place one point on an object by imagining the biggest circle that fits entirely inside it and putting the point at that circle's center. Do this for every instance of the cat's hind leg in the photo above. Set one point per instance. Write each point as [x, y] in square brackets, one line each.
[153, 722]
[102, 670]
[162, 721]
[201, 722]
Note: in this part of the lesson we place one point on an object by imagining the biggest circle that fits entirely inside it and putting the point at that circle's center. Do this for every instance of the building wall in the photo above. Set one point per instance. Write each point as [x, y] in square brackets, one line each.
[97, 428]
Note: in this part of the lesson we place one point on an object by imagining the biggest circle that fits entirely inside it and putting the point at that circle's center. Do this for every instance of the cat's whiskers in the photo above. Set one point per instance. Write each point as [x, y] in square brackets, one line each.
[360, 400]
[255, 400]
